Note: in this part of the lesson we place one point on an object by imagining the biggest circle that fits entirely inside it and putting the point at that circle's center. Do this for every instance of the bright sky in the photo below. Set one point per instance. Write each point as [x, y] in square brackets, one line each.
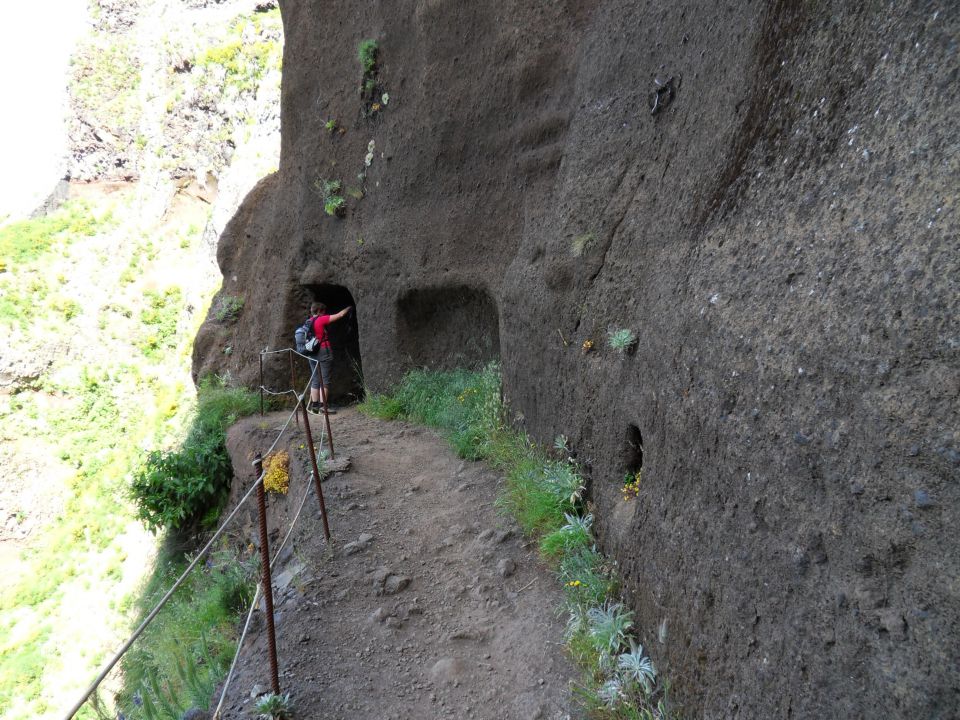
[34, 60]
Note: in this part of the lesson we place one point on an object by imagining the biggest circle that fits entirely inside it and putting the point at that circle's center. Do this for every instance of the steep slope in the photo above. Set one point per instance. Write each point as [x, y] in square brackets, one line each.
[781, 235]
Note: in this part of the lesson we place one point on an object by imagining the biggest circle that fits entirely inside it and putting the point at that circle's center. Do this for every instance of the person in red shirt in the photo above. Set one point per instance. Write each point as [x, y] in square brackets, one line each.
[323, 357]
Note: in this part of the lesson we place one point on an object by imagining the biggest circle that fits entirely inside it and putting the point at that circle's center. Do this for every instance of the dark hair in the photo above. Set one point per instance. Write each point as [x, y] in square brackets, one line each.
[317, 308]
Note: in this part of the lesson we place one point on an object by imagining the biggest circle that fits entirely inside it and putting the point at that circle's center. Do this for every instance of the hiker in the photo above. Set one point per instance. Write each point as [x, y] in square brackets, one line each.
[323, 356]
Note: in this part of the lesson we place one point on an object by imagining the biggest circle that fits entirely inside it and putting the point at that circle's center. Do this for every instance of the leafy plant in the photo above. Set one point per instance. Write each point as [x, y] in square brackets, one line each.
[611, 692]
[635, 667]
[621, 340]
[334, 205]
[329, 190]
[574, 535]
[587, 580]
[331, 126]
[275, 707]
[367, 54]
[609, 625]
[177, 488]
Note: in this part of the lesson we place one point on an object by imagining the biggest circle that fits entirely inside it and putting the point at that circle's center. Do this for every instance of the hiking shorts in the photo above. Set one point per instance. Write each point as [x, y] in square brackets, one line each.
[324, 359]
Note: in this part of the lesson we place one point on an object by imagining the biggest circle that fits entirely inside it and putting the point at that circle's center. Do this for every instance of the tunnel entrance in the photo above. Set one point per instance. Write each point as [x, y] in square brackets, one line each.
[448, 326]
[346, 379]
[633, 454]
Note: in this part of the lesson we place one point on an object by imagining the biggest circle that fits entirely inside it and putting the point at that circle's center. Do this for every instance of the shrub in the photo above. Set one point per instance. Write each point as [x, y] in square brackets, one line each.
[175, 489]
[367, 54]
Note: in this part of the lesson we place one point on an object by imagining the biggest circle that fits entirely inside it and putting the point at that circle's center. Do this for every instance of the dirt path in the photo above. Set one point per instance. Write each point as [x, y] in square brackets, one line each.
[428, 604]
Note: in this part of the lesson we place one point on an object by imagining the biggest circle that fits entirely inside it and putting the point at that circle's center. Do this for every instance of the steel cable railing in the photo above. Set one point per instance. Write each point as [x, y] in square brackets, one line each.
[207, 547]
[256, 596]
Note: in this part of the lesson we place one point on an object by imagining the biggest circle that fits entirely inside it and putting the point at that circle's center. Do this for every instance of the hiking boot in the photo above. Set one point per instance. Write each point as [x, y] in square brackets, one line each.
[331, 410]
[313, 408]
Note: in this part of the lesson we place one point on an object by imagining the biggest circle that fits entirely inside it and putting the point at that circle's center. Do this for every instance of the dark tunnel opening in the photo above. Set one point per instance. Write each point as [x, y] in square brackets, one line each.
[633, 455]
[346, 378]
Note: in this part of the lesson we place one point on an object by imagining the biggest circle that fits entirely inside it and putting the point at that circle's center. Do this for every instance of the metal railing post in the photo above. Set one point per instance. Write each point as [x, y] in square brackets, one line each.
[293, 384]
[266, 581]
[316, 471]
[261, 383]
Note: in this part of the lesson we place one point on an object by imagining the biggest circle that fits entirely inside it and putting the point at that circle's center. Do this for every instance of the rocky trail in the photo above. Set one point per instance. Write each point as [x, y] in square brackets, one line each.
[427, 603]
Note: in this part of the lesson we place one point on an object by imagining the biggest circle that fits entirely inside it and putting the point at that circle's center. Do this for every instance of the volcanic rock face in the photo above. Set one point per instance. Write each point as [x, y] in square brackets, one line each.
[780, 234]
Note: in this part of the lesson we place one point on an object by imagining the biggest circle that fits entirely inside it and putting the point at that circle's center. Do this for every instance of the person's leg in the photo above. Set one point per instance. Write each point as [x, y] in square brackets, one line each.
[326, 364]
[314, 386]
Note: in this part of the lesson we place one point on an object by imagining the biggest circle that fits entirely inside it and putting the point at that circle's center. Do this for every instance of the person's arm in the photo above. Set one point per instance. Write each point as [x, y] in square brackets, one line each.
[342, 313]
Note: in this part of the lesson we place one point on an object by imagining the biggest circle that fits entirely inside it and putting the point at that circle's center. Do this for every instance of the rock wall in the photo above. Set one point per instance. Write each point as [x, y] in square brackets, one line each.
[781, 236]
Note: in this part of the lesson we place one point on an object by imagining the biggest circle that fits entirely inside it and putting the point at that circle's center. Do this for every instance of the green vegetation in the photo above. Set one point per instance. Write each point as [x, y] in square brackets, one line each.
[105, 81]
[159, 319]
[25, 246]
[275, 707]
[184, 654]
[228, 308]
[245, 62]
[373, 98]
[573, 536]
[26, 240]
[621, 340]
[334, 204]
[367, 54]
[179, 489]
[544, 494]
[581, 243]
[83, 423]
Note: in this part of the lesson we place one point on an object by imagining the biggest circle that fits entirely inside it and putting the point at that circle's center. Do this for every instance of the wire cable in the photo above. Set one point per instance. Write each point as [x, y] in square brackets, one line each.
[163, 601]
[256, 595]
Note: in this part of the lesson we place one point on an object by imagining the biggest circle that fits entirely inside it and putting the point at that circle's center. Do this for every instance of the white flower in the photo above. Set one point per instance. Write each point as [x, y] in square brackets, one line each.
[385, 99]
[370, 146]
[368, 159]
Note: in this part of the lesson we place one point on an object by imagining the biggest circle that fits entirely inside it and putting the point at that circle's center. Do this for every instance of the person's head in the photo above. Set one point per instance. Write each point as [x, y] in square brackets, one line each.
[317, 308]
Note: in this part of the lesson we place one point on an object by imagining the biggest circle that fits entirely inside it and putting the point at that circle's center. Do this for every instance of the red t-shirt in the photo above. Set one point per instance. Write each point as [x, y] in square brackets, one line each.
[320, 323]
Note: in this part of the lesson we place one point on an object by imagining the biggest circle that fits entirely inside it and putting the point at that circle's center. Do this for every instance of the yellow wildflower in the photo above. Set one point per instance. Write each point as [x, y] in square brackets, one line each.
[277, 476]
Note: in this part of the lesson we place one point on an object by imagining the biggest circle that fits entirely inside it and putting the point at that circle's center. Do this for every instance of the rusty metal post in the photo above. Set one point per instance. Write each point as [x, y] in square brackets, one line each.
[261, 383]
[265, 578]
[316, 470]
[293, 384]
